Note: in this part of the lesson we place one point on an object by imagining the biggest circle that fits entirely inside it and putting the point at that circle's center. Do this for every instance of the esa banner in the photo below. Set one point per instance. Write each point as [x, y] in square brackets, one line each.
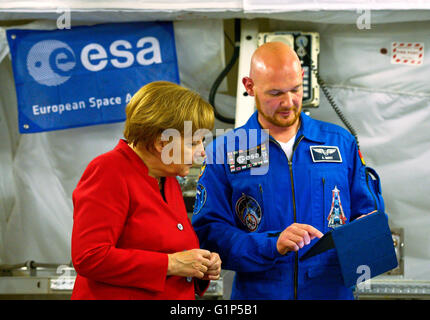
[87, 75]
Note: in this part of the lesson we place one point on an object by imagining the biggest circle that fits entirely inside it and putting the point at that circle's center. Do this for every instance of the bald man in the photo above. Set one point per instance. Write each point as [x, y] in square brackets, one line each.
[262, 201]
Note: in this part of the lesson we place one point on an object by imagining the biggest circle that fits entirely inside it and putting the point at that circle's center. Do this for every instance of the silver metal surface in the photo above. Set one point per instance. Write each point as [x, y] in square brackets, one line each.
[32, 280]
[215, 290]
[393, 289]
[399, 244]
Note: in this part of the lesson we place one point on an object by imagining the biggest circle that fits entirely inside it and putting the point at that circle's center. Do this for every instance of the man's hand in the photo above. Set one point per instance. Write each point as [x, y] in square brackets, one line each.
[362, 216]
[295, 237]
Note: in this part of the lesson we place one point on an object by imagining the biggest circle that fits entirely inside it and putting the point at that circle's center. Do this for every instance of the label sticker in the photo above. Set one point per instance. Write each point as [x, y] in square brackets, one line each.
[407, 53]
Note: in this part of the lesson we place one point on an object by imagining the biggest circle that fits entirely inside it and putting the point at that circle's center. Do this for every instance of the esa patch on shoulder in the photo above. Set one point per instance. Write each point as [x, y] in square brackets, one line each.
[325, 154]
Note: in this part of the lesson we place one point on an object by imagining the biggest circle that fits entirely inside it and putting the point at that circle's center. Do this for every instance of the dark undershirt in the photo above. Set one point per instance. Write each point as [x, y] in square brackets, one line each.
[162, 182]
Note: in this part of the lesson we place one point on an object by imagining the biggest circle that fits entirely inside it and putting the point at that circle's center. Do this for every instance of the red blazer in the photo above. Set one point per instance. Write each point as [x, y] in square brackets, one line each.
[123, 230]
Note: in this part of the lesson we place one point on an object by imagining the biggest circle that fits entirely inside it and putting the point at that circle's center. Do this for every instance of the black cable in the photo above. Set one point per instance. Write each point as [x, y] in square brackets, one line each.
[333, 103]
[226, 70]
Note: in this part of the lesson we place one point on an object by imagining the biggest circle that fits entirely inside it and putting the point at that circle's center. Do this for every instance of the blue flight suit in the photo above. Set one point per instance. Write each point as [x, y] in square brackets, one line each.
[248, 192]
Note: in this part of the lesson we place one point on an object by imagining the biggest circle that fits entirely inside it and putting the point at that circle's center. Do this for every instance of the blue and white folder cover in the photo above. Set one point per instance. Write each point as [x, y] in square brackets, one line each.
[363, 242]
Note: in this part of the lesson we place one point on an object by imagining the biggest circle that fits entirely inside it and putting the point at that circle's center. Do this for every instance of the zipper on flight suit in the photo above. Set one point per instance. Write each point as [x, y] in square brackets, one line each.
[261, 195]
[290, 166]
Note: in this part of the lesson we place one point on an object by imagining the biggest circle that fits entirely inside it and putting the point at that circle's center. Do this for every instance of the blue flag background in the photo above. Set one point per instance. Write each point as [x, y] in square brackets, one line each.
[87, 75]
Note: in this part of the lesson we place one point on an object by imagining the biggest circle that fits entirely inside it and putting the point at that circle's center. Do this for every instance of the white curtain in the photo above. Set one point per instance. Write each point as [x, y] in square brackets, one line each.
[248, 6]
[158, 5]
[318, 11]
[299, 5]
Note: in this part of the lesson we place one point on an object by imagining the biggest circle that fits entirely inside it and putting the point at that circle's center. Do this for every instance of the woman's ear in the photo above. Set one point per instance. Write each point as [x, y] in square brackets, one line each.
[159, 144]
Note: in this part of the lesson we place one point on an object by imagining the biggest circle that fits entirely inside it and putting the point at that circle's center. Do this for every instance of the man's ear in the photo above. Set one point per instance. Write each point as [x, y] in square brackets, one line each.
[249, 85]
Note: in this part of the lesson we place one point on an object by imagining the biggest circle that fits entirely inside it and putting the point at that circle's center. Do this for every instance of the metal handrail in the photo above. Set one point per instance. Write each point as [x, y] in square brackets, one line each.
[30, 265]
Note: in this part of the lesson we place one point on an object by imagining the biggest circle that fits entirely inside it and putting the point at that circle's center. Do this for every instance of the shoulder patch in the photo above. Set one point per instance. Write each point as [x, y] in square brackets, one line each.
[200, 198]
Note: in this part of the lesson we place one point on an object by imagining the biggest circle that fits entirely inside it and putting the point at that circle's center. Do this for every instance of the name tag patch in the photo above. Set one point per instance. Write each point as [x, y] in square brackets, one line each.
[325, 154]
[245, 159]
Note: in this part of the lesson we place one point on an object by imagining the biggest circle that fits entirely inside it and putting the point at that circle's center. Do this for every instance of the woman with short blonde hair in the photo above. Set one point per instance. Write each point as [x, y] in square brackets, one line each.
[131, 237]
[161, 105]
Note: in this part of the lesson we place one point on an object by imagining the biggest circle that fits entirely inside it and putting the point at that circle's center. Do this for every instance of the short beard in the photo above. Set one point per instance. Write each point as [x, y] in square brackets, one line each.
[273, 120]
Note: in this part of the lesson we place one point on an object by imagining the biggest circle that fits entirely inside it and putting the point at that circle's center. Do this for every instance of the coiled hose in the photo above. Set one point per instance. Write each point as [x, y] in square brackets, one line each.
[336, 108]
[334, 105]
[226, 70]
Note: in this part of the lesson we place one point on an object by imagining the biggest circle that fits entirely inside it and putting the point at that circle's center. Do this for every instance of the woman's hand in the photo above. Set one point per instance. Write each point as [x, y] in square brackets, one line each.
[198, 263]
[189, 263]
[214, 270]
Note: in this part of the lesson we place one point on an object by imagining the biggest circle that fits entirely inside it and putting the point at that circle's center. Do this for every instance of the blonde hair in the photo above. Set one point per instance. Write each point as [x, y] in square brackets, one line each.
[163, 105]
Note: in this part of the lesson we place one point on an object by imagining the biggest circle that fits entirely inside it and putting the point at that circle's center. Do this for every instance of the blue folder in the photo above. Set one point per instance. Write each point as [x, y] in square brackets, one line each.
[366, 241]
